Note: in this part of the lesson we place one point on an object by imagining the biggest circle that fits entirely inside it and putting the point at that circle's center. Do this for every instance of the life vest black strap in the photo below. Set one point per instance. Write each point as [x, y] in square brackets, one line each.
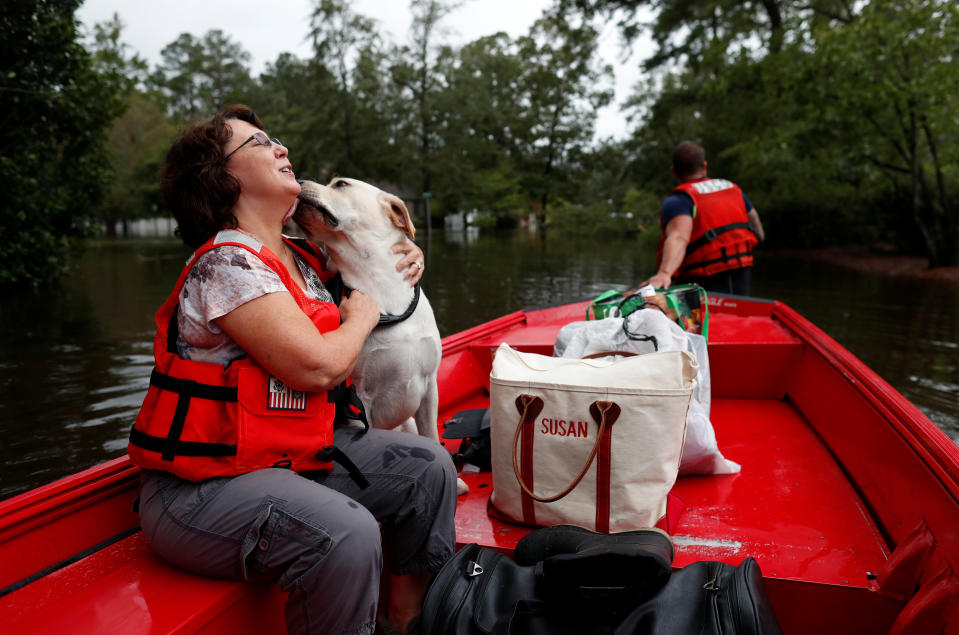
[173, 331]
[686, 272]
[186, 390]
[711, 234]
[349, 406]
[193, 388]
[177, 447]
[333, 453]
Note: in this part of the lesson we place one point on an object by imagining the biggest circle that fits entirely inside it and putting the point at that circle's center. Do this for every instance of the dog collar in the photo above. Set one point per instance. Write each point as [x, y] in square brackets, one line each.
[387, 319]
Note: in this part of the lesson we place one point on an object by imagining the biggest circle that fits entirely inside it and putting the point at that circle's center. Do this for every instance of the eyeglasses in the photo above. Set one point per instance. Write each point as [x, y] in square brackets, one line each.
[261, 140]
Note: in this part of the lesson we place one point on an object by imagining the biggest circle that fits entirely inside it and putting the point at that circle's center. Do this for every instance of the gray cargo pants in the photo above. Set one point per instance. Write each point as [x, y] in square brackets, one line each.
[319, 539]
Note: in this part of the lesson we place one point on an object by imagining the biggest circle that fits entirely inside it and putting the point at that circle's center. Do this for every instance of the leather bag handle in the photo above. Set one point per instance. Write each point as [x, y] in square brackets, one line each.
[608, 353]
[605, 413]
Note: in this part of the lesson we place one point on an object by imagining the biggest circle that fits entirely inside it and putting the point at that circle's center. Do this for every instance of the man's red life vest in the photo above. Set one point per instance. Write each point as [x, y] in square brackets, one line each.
[721, 238]
[201, 419]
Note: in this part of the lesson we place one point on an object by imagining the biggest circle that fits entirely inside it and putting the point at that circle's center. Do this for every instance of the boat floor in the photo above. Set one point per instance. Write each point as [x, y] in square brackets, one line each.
[791, 507]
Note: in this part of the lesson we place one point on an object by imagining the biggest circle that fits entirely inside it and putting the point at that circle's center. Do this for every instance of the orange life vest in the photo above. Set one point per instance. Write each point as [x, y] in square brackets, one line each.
[721, 238]
[201, 419]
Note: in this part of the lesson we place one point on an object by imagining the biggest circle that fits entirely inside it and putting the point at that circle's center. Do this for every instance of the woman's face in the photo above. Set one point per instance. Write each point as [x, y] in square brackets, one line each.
[263, 171]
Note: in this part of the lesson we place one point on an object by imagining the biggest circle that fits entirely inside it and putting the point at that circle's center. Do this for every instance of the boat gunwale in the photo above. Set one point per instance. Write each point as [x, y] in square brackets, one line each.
[932, 445]
[62, 497]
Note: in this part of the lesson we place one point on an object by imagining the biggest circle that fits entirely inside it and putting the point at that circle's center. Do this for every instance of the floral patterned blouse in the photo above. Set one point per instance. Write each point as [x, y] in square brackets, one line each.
[221, 280]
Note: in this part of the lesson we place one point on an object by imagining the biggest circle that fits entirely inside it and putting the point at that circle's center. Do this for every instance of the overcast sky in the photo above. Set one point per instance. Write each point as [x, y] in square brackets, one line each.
[268, 29]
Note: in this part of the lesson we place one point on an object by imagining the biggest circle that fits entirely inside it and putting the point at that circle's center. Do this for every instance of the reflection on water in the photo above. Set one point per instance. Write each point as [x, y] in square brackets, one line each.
[905, 330]
[74, 364]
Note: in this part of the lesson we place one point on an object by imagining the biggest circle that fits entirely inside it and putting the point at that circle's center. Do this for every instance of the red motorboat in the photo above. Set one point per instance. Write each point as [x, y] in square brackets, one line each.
[848, 498]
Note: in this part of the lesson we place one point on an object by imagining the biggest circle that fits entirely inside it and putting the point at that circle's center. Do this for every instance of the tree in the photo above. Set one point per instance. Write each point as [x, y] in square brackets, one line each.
[887, 86]
[53, 159]
[835, 115]
[198, 77]
[226, 72]
[138, 141]
[481, 128]
[340, 37]
[415, 74]
[179, 77]
[112, 59]
[295, 110]
[561, 90]
[689, 29]
[137, 138]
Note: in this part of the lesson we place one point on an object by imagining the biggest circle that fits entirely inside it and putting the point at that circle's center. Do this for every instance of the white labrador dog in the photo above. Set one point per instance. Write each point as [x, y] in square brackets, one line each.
[395, 375]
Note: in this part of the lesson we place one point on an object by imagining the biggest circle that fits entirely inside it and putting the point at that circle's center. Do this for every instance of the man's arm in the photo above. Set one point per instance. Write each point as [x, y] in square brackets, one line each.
[678, 231]
[755, 224]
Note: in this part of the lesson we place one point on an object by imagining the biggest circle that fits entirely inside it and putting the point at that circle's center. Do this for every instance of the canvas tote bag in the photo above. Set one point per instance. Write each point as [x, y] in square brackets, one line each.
[589, 442]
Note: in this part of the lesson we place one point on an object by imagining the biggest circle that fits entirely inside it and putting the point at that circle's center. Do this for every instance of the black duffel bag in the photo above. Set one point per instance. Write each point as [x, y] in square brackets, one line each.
[710, 598]
[476, 592]
[483, 592]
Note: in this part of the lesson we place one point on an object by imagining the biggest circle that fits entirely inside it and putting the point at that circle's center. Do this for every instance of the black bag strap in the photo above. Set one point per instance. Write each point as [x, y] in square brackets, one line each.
[333, 453]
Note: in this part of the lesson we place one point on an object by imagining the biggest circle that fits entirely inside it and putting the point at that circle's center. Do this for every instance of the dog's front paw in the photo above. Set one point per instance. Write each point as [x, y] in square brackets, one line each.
[461, 487]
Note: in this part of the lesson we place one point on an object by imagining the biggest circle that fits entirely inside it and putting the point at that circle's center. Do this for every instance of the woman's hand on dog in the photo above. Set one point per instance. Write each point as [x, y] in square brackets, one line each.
[411, 262]
[360, 307]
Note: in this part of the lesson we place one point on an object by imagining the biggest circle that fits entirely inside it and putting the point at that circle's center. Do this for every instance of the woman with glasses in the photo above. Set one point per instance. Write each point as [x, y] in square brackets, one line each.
[256, 465]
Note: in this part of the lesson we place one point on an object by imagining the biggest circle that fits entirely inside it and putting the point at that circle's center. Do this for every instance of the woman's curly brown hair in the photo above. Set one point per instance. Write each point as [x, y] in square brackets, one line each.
[199, 189]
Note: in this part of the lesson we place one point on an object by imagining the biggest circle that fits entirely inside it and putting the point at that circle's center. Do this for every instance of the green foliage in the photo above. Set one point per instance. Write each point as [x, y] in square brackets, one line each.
[838, 119]
[199, 76]
[53, 158]
[889, 91]
[479, 133]
[563, 88]
[483, 221]
[351, 122]
[137, 138]
[138, 141]
[598, 218]
[642, 207]
[111, 57]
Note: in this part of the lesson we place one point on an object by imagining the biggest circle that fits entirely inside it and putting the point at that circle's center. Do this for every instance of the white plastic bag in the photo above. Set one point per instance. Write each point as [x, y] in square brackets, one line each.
[701, 454]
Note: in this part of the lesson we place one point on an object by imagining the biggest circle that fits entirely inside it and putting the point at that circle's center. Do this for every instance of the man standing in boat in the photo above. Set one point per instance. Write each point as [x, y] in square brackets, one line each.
[709, 229]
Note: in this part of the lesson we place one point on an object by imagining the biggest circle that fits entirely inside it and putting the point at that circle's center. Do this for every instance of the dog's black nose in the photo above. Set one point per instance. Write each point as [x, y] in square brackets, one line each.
[301, 181]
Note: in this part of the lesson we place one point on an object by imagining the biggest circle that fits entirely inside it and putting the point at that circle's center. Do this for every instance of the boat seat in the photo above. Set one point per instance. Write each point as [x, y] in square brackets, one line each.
[750, 357]
[125, 588]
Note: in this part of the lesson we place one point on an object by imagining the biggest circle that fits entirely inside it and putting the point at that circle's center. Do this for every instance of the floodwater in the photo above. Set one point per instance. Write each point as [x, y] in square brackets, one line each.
[74, 364]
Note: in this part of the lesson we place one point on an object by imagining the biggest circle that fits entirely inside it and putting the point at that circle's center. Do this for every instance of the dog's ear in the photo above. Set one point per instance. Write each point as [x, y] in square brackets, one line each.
[396, 210]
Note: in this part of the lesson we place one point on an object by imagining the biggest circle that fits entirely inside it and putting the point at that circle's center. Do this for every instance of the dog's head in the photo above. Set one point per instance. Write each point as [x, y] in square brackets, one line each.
[351, 207]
